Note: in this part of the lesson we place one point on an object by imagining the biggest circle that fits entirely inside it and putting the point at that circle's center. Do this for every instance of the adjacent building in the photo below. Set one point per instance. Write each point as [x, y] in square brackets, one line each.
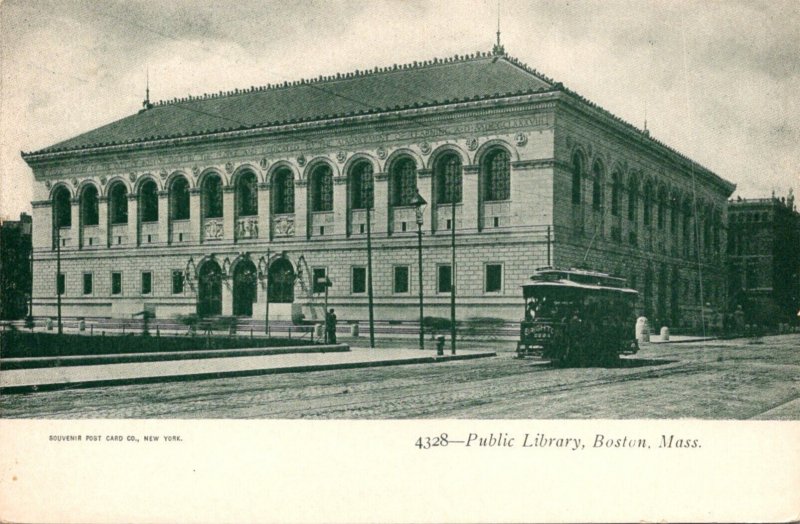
[223, 203]
[764, 259]
[15, 267]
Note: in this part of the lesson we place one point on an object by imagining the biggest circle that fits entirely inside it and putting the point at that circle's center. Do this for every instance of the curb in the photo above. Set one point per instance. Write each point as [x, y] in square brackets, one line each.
[32, 388]
[158, 356]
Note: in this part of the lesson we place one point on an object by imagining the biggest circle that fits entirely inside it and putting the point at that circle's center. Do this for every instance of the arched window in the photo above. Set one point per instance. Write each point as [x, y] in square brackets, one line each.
[577, 177]
[616, 189]
[89, 210]
[179, 199]
[633, 199]
[283, 192]
[322, 189]
[62, 208]
[361, 184]
[247, 195]
[403, 178]
[647, 203]
[497, 179]
[447, 177]
[212, 196]
[118, 203]
[148, 201]
[597, 186]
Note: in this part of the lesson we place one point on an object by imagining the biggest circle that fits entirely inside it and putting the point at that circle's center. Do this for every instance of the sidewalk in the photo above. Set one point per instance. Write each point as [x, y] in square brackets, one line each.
[71, 377]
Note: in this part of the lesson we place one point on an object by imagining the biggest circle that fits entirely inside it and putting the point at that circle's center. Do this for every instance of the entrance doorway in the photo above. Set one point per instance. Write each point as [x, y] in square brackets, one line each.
[209, 292]
[281, 282]
[244, 288]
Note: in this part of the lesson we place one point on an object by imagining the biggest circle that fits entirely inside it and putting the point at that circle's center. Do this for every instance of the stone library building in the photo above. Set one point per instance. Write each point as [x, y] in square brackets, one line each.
[223, 203]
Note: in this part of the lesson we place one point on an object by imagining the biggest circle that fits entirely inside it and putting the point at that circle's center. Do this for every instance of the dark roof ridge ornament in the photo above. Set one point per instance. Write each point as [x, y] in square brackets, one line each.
[147, 104]
[498, 49]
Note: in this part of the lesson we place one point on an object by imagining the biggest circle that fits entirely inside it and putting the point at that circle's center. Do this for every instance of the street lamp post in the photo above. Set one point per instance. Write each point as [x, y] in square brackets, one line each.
[453, 271]
[369, 183]
[419, 203]
[58, 271]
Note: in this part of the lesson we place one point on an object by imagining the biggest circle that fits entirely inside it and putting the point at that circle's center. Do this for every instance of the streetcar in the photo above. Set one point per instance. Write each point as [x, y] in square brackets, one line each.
[577, 317]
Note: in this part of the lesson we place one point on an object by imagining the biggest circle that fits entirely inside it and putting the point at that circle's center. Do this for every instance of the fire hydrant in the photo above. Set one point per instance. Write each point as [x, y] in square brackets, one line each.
[440, 345]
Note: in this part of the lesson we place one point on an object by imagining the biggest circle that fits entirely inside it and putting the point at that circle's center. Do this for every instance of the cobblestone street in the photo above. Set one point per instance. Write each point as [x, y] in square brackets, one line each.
[735, 379]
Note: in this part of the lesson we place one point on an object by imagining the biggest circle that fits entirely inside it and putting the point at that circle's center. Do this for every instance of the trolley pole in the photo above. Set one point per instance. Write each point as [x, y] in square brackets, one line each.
[420, 204]
[266, 296]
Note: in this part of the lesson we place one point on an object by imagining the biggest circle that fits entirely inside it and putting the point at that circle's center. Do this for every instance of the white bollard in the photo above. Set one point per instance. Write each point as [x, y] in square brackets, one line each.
[353, 330]
[642, 330]
[664, 334]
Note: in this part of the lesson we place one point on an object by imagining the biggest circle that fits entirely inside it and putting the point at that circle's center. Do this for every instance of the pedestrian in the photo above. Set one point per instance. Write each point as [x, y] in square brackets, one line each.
[738, 320]
[330, 327]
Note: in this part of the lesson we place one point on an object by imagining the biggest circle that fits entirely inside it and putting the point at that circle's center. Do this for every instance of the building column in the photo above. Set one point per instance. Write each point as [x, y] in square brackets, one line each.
[133, 219]
[163, 218]
[470, 198]
[340, 205]
[75, 234]
[263, 212]
[102, 222]
[227, 297]
[300, 208]
[381, 209]
[194, 215]
[228, 214]
[43, 234]
[425, 188]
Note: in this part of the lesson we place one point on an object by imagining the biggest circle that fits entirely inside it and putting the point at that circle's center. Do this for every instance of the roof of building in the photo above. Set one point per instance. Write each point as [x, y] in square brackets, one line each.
[433, 82]
[436, 82]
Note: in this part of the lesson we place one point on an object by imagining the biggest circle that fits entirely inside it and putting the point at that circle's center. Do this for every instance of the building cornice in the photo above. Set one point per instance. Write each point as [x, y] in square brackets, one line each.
[493, 102]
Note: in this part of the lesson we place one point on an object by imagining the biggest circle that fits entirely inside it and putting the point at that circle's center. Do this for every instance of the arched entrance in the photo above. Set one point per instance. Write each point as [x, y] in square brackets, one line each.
[244, 287]
[209, 289]
[281, 282]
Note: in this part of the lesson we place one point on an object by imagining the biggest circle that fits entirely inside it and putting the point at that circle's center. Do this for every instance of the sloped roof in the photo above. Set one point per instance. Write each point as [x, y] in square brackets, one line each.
[420, 84]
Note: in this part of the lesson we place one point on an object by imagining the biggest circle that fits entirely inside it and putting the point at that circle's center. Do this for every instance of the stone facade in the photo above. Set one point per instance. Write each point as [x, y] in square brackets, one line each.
[529, 219]
[764, 259]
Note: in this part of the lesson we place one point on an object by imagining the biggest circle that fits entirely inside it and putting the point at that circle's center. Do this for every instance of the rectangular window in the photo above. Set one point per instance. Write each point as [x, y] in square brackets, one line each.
[493, 283]
[87, 283]
[400, 279]
[61, 284]
[320, 275]
[359, 280]
[147, 282]
[444, 278]
[177, 281]
[116, 283]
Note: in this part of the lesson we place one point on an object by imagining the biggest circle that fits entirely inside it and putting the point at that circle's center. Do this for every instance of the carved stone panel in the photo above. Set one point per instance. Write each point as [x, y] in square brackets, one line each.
[247, 227]
[283, 226]
[213, 229]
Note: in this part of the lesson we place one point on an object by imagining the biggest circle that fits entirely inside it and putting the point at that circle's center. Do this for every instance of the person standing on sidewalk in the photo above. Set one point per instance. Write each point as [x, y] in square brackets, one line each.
[330, 327]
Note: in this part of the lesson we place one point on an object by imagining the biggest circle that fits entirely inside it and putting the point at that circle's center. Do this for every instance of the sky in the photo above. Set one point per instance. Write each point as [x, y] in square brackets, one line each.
[716, 80]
